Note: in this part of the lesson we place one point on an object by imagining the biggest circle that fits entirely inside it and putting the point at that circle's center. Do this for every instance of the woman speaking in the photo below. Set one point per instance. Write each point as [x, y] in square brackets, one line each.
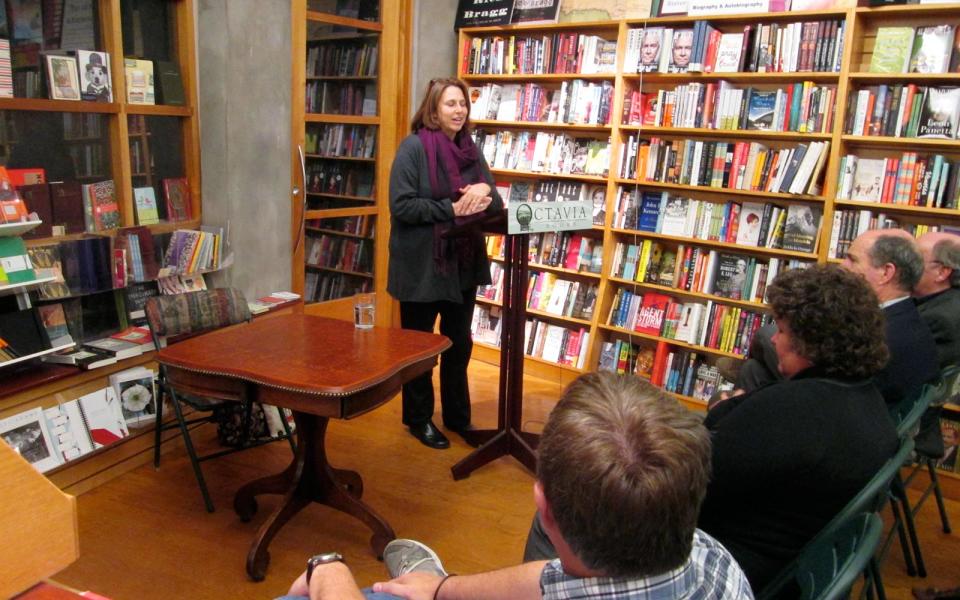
[438, 175]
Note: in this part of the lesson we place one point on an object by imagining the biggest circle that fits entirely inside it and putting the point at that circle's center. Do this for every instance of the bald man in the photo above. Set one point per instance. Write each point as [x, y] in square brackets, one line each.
[891, 263]
[938, 293]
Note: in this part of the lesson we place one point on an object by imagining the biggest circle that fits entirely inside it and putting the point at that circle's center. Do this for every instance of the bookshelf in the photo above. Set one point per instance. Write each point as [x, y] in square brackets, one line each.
[88, 141]
[682, 115]
[349, 100]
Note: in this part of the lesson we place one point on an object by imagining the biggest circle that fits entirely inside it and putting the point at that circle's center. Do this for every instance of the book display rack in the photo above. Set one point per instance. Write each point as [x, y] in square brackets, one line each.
[106, 134]
[719, 165]
[348, 98]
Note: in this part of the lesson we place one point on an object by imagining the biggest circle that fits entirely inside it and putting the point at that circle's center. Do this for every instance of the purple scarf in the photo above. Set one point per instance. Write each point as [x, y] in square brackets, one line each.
[456, 156]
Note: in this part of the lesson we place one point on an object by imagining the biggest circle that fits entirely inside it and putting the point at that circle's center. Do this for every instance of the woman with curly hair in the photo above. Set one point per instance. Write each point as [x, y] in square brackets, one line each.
[788, 456]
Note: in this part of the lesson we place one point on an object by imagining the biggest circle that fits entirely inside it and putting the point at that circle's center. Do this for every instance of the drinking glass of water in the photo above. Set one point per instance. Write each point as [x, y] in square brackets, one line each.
[363, 311]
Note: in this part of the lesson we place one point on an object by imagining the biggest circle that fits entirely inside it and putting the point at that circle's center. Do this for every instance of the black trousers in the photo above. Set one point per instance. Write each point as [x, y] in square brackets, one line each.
[418, 397]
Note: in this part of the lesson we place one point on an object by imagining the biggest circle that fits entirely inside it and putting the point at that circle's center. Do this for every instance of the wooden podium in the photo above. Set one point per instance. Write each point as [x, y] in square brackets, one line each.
[507, 438]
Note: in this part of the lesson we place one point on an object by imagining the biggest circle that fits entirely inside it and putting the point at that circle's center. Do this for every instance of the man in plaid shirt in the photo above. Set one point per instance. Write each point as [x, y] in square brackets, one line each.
[622, 471]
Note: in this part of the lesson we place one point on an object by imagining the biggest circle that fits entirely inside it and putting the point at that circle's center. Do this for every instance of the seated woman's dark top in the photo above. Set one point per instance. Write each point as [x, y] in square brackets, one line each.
[787, 457]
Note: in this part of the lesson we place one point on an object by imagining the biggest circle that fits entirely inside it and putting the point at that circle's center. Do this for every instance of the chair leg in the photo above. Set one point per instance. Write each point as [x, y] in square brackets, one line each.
[935, 482]
[293, 443]
[158, 428]
[900, 492]
[192, 452]
[874, 570]
[905, 547]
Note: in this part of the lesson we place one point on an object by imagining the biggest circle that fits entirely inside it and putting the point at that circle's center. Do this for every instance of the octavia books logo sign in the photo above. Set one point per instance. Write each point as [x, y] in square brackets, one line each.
[534, 217]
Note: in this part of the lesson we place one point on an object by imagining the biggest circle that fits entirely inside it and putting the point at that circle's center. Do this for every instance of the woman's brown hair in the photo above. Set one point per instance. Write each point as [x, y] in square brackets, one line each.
[428, 113]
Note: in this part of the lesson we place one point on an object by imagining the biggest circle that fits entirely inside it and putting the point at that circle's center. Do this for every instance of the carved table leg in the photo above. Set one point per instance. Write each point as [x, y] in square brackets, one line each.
[310, 478]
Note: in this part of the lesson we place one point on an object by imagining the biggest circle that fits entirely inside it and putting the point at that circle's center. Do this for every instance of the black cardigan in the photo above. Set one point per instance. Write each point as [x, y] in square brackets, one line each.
[787, 457]
[412, 275]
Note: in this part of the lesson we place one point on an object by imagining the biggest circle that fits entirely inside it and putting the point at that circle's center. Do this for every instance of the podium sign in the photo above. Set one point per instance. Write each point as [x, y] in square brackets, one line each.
[537, 217]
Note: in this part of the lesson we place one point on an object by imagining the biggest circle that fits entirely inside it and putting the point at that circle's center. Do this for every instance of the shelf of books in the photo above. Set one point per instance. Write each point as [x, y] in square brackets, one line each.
[719, 150]
[101, 206]
[346, 64]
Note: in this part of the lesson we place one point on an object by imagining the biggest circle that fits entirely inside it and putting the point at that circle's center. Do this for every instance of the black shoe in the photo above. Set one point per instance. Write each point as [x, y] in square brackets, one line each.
[430, 436]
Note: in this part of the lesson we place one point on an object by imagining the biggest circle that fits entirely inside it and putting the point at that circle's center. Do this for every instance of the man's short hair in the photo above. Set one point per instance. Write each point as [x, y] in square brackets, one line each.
[624, 468]
[947, 253]
[903, 254]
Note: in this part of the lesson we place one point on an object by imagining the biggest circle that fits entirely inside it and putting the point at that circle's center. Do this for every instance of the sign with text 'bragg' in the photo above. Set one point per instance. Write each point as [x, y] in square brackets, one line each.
[536, 217]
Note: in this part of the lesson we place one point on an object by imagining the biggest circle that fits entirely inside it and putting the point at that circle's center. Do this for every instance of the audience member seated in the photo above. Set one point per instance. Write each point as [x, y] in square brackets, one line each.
[891, 263]
[788, 456]
[621, 475]
[938, 293]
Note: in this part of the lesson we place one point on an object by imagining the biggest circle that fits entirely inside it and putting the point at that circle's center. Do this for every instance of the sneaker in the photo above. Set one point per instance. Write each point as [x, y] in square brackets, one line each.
[407, 556]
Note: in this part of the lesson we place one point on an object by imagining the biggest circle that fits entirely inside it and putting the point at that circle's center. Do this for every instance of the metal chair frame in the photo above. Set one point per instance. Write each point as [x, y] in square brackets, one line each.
[199, 403]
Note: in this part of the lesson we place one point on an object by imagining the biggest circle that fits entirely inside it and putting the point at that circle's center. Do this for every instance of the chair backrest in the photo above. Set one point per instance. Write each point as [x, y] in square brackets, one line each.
[179, 316]
[829, 566]
[906, 413]
[869, 500]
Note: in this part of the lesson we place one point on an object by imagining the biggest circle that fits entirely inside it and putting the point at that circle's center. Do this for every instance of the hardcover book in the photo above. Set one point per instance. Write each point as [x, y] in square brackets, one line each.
[931, 49]
[535, 11]
[36, 197]
[27, 434]
[680, 50]
[66, 197]
[136, 390]
[477, 13]
[731, 276]
[46, 263]
[84, 358]
[868, 180]
[748, 229]
[802, 226]
[650, 315]
[650, 47]
[176, 194]
[761, 109]
[170, 89]
[104, 210]
[891, 50]
[95, 82]
[55, 323]
[139, 78]
[145, 199]
[62, 79]
[939, 113]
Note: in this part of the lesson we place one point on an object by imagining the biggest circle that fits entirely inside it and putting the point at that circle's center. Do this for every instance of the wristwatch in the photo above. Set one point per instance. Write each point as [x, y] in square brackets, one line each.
[321, 559]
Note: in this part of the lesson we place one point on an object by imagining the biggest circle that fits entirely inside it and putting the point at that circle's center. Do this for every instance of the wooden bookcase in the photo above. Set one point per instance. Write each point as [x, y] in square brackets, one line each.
[859, 31]
[348, 115]
[156, 30]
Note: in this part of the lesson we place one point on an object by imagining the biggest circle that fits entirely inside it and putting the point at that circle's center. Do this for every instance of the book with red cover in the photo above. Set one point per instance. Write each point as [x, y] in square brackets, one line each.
[37, 198]
[66, 200]
[659, 364]
[651, 313]
[33, 176]
[103, 200]
[176, 194]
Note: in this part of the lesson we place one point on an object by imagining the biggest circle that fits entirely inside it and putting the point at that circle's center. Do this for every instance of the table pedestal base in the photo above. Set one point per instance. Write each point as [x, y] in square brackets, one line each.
[309, 478]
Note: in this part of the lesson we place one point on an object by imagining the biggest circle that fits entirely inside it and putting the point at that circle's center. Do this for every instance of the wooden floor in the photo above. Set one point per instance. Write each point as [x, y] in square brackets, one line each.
[146, 534]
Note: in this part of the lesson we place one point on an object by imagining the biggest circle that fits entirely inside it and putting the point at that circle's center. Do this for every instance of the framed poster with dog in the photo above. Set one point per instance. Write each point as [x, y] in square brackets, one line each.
[95, 82]
[62, 76]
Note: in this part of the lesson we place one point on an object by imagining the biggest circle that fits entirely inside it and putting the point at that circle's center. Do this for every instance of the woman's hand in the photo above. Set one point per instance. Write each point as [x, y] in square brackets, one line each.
[474, 198]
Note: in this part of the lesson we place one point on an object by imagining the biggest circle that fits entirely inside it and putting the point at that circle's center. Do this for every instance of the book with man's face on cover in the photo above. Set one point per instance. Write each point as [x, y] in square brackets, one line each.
[939, 113]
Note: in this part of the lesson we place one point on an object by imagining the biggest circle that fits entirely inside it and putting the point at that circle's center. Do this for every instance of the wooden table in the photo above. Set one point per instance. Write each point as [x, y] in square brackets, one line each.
[320, 369]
